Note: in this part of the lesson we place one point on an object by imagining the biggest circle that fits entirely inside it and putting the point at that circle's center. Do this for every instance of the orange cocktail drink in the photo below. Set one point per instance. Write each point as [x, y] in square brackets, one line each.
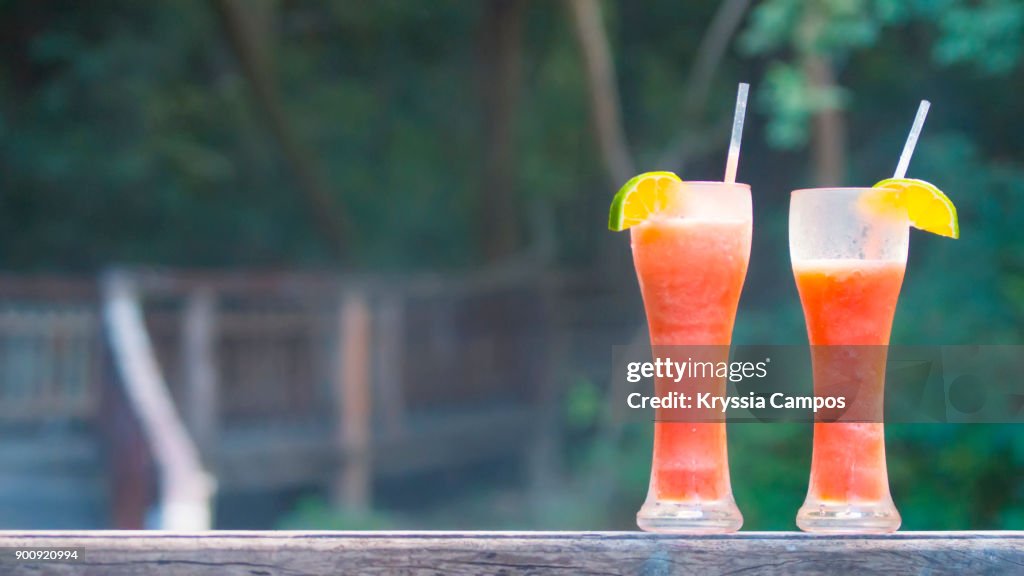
[848, 263]
[691, 264]
[848, 305]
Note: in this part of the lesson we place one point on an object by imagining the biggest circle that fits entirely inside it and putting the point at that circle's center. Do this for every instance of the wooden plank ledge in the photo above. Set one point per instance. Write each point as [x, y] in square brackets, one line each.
[606, 553]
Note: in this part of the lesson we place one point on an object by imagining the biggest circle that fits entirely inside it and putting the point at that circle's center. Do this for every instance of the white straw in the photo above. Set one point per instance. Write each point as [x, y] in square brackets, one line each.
[737, 133]
[915, 131]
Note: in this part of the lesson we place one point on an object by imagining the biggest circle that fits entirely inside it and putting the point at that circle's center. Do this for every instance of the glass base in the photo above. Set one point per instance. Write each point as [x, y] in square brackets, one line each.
[673, 517]
[848, 518]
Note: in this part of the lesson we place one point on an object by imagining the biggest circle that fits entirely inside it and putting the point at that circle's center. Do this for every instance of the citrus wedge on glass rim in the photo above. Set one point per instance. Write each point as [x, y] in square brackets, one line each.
[646, 195]
[927, 207]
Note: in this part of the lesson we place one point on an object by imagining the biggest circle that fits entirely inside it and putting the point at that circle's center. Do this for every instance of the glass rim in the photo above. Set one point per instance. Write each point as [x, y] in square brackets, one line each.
[840, 189]
[719, 182]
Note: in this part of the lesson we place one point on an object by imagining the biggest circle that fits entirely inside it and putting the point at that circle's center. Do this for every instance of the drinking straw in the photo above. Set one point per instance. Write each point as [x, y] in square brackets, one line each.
[737, 133]
[915, 131]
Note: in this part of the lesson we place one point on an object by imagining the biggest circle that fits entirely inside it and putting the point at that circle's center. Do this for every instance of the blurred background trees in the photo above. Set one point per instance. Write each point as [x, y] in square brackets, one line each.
[400, 135]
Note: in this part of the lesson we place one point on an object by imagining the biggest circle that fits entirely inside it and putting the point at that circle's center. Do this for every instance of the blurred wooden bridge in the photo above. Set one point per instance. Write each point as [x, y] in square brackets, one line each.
[133, 401]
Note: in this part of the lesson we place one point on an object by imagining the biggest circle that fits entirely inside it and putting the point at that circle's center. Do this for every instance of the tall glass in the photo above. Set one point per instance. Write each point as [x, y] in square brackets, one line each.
[691, 271]
[848, 262]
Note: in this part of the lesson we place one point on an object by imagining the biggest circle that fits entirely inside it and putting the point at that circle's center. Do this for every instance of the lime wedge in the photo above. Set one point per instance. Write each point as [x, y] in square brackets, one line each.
[644, 196]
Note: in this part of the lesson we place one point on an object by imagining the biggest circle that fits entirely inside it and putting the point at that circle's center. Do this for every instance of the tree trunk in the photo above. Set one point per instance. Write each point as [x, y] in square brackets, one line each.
[828, 139]
[247, 28]
[501, 47]
[828, 135]
[605, 108]
[697, 136]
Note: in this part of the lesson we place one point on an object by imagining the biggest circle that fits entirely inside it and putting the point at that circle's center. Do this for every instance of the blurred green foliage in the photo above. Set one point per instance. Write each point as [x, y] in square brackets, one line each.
[129, 134]
[985, 35]
[314, 512]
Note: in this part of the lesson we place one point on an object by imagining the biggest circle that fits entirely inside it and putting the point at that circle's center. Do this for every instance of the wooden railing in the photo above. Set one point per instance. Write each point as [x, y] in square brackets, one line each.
[512, 553]
[48, 363]
[310, 372]
[350, 359]
[228, 366]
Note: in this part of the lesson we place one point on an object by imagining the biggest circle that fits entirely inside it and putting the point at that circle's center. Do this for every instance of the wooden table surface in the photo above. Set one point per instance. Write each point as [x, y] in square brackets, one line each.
[507, 553]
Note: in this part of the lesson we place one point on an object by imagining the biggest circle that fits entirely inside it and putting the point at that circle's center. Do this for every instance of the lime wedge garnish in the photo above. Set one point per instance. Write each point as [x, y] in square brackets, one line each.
[646, 195]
